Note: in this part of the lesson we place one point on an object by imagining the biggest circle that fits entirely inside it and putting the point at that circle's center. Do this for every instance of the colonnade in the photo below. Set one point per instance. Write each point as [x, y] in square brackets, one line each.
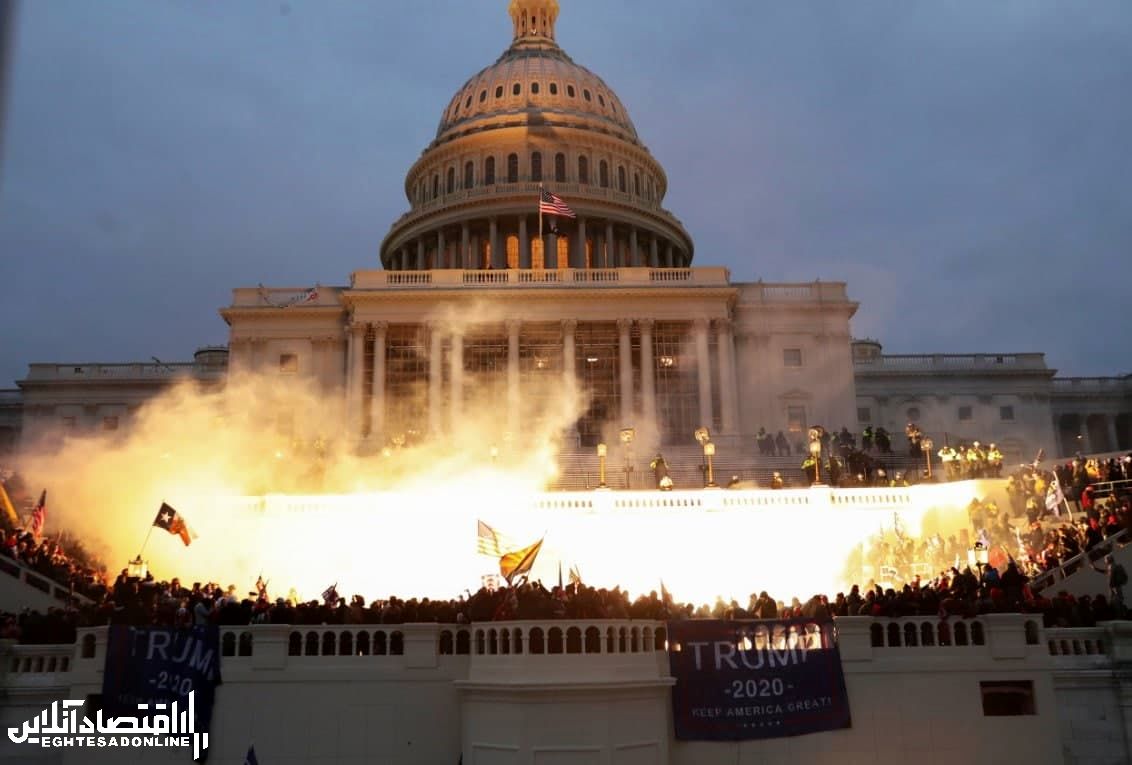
[482, 243]
[360, 333]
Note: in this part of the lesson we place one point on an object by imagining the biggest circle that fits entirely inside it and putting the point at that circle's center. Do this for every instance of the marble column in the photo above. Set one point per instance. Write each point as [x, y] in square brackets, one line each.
[578, 253]
[441, 261]
[420, 253]
[475, 259]
[498, 255]
[703, 367]
[456, 381]
[610, 247]
[625, 356]
[357, 372]
[513, 327]
[634, 253]
[435, 377]
[463, 260]
[569, 357]
[1113, 442]
[377, 399]
[728, 390]
[654, 256]
[550, 251]
[524, 244]
[648, 372]
[668, 257]
[600, 260]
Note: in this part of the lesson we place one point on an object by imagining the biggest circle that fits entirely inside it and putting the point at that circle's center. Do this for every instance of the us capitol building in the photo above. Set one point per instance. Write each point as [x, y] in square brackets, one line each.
[473, 294]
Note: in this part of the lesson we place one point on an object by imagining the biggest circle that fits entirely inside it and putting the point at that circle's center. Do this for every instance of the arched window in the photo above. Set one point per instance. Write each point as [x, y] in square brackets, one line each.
[468, 103]
[469, 174]
[554, 88]
[586, 94]
[483, 96]
[583, 170]
[536, 166]
[499, 91]
[516, 89]
[534, 88]
[512, 168]
[637, 184]
[601, 99]
[489, 171]
[603, 174]
[570, 90]
[435, 186]
[621, 179]
[450, 185]
[560, 167]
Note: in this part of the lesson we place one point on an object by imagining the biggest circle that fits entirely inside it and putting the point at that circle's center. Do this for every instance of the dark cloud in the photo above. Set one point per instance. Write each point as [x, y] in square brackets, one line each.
[963, 165]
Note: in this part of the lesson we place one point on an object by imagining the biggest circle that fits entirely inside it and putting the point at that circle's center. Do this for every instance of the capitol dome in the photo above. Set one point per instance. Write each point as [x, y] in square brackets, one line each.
[535, 119]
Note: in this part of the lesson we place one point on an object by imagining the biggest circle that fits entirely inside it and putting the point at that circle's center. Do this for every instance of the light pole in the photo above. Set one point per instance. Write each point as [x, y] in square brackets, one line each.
[815, 453]
[602, 450]
[926, 444]
[627, 436]
[709, 452]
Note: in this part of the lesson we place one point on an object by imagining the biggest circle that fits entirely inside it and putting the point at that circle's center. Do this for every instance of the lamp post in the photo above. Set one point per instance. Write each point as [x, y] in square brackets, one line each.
[709, 452]
[978, 555]
[627, 436]
[926, 444]
[815, 453]
[703, 437]
[137, 569]
[602, 450]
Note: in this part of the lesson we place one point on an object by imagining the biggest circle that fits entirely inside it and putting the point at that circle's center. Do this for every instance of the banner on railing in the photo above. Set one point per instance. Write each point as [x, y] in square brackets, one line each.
[149, 665]
[739, 680]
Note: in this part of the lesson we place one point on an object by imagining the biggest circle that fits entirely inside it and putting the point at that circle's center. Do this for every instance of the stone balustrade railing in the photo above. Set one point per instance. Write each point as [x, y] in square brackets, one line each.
[131, 372]
[948, 361]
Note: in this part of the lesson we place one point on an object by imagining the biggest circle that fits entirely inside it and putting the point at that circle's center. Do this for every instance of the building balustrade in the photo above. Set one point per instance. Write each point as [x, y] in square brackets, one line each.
[947, 361]
[128, 372]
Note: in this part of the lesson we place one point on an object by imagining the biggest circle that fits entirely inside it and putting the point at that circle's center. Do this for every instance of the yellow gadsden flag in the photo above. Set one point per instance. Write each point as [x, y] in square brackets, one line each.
[519, 562]
[6, 506]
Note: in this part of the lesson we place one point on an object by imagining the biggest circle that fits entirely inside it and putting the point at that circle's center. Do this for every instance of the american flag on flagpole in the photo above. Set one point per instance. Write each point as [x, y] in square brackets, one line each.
[552, 204]
[39, 516]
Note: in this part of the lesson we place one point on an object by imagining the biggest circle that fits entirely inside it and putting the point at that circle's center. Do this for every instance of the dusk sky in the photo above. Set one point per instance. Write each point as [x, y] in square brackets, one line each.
[965, 166]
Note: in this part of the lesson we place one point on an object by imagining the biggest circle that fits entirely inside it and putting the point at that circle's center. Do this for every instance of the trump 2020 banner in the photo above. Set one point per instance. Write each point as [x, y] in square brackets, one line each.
[146, 665]
[740, 680]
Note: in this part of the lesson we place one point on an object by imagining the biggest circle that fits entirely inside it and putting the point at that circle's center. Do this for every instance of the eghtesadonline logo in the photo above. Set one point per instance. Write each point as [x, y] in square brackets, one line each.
[59, 727]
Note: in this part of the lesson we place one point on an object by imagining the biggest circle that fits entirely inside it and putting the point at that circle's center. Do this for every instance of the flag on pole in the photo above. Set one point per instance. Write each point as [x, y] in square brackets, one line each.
[175, 523]
[487, 540]
[518, 562]
[552, 204]
[1054, 496]
[575, 576]
[330, 594]
[250, 758]
[39, 516]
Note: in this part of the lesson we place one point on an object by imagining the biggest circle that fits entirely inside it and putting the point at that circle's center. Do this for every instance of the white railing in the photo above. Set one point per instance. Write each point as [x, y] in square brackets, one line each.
[449, 278]
[138, 371]
[32, 578]
[1079, 642]
[1081, 560]
[945, 361]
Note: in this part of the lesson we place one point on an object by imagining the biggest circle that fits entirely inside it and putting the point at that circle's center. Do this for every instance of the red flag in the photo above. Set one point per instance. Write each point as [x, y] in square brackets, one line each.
[39, 516]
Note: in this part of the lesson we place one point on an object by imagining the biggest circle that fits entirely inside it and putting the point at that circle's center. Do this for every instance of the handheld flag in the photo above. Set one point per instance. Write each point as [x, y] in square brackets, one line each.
[519, 562]
[1054, 496]
[487, 540]
[39, 516]
[575, 576]
[552, 204]
[173, 522]
[330, 594]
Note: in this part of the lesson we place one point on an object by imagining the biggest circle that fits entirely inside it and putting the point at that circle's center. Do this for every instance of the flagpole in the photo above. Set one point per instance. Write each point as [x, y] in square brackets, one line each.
[146, 541]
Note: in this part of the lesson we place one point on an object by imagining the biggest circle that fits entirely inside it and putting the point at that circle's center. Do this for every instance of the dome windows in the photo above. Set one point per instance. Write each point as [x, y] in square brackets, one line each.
[469, 174]
[468, 103]
[586, 94]
[499, 91]
[601, 99]
[534, 88]
[536, 166]
[554, 88]
[450, 184]
[435, 185]
[512, 168]
[570, 91]
[560, 168]
[489, 171]
[516, 89]
[583, 170]
[603, 174]
[621, 186]
[637, 184]
[483, 96]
